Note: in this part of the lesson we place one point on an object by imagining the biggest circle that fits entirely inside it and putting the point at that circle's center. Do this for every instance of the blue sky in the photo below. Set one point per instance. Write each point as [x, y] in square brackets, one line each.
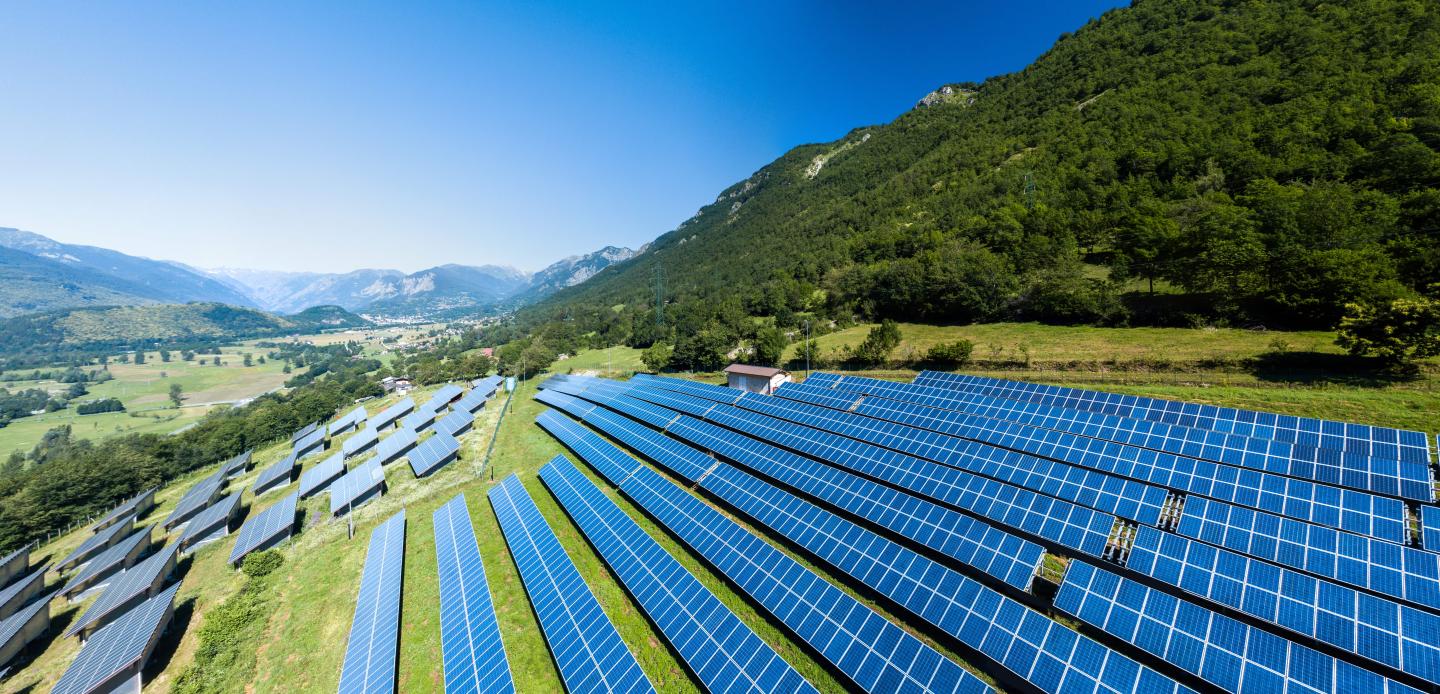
[332, 136]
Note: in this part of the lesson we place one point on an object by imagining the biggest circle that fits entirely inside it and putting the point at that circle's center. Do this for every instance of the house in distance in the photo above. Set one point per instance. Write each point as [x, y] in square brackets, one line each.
[756, 379]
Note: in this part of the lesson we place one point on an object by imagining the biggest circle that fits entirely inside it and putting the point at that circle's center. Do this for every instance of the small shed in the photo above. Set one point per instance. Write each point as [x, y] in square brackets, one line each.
[756, 379]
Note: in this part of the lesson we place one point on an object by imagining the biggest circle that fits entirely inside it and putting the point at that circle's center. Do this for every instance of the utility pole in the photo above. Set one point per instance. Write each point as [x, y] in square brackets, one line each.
[807, 350]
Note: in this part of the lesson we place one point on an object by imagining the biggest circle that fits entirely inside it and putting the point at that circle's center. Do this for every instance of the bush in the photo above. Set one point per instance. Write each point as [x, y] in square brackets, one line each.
[877, 346]
[950, 354]
[98, 406]
[1399, 333]
[258, 564]
[657, 356]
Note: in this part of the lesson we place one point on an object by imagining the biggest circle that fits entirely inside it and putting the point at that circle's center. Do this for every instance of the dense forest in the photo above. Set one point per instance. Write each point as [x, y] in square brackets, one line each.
[1177, 162]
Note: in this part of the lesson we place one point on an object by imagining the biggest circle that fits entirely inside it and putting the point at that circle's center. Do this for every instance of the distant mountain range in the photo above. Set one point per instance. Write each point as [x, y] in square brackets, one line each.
[39, 274]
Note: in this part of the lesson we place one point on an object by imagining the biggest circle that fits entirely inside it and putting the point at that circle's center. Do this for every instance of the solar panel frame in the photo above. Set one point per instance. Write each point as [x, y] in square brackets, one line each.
[473, 402]
[442, 398]
[116, 558]
[194, 499]
[1223, 651]
[418, 421]
[350, 420]
[266, 529]
[1430, 527]
[310, 445]
[18, 593]
[211, 524]
[134, 506]
[586, 647]
[722, 651]
[472, 650]
[95, 544]
[356, 487]
[1384, 442]
[237, 466]
[275, 476]
[137, 583]
[304, 431]
[433, 453]
[396, 445]
[13, 564]
[318, 478]
[120, 646]
[392, 414]
[12, 628]
[457, 423]
[372, 647]
[486, 386]
[360, 442]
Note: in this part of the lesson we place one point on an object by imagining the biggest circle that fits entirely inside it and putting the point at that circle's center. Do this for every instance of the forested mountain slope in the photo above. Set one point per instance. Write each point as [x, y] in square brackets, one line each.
[1271, 160]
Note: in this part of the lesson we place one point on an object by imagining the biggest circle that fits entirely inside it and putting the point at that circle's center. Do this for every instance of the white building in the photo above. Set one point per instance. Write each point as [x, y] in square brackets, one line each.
[756, 379]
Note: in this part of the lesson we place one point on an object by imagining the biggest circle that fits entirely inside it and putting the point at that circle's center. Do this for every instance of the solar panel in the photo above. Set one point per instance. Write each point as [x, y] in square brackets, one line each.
[356, 487]
[724, 653]
[433, 453]
[392, 447]
[1399, 571]
[125, 591]
[115, 559]
[418, 420]
[95, 544]
[442, 398]
[474, 655]
[1350, 510]
[1379, 442]
[349, 421]
[993, 624]
[134, 506]
[1224, 652]
[304, 431]
[211, 524]
[586, 647]
[120, 648]
[17, 594]
[13, 564]
[317, 479]
[702, 390]
[314, 443]
[1430, 527]
[473, 402]
[194, 499]
[26, 625]
[456, 423]
[237, 466]
[392, 413]
[1374, 628]
[275, 476]
[1408, 479]
[266, 529]
[360, 442]
[486, 386]
[375, 630]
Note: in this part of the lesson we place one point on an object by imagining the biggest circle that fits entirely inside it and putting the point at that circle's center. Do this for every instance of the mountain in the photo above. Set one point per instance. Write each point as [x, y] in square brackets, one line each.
[445, 290]
[1258, 162]
[44, 337]
[98, 275]
[571, 271]
[289, 292]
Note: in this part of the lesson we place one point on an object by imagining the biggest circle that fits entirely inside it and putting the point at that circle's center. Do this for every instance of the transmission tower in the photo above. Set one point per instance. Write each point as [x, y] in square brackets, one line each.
[1029, 190]
[660, 295]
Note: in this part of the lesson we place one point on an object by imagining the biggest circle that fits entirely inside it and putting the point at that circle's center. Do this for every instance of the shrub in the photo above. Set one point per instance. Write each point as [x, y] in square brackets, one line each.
[950, 354]
[1399, 333]
[258, 564]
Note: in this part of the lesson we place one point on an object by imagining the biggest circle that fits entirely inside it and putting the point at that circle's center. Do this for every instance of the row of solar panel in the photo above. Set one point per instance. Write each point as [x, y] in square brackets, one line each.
[950, 601]
[1376, 441]
[1410, 479]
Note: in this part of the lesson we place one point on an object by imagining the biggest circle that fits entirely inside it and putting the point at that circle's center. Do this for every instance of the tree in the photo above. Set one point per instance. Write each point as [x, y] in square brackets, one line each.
[249, 361]
[187, 355]
[165, 355]
[176, 396]
[140, 356]
[950, 355]
[1399, 333]
[656, 357]
[770, 344]
[217, 360]
[877, 345]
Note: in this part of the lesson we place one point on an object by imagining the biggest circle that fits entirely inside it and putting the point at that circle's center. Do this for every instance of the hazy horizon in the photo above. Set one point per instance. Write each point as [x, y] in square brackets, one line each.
[331, 138]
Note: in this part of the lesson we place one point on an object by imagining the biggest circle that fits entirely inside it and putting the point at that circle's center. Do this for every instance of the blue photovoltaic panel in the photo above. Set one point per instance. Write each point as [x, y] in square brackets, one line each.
[195, 498]
[472, 402]
[392, 413]
[15, 594]
[561, 401]
[613, 463]
[304, 431]
[1378, 442]
[587, 649]
[1125, 498]
[418, 421]
[11, 627]
[264, 527]
[703, 390]
[96, 544]
[442, 397]
[474, 655]
[724, 654]
[959, 537]
[395, 445]
[1430, 527]
[1005, 630]
[237, 465]
[318, 478]
[486, 386]
[136, 580]
[1357, 512]
[1372, 627]
[351, 419]
[648, 413]
[432, 453]
[815, 395]
[1407, 479]
[1220, 650]
[213, 519]
[362, 440]
[127, 508]
[277, 475]
[112, 559]
[1057, 520]
[456, 423]
[314, 443]
[1399, 571]
[120, 645]
[353, 486]
[375, 630]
